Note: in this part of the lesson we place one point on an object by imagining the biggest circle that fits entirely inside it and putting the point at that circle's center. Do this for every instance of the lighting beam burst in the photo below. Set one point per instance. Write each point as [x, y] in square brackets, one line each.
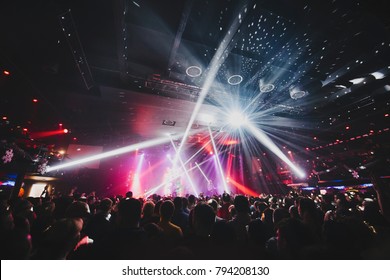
[266, 141]
[123, 150]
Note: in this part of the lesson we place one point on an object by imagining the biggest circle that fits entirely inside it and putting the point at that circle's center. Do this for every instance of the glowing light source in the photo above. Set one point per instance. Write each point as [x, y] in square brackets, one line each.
[378, 75]
[357, 81]
[5, 72]
[35, 100]
[65, 130]
[237, 119]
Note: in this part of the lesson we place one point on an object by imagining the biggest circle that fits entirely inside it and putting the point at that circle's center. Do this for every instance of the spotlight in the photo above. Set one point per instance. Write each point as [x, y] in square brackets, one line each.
[267, 87]
[297, 92]
[168, 122]
[194, 71]
[378, 75]
[66, 131]
[357, 81]
[235, 80]
[5, 72]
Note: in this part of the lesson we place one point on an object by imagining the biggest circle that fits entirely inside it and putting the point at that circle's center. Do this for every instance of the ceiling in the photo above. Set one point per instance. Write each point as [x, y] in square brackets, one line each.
[113, 71]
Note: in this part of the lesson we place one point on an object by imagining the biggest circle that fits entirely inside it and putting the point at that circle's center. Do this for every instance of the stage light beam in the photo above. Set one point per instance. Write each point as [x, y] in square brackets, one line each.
[201, 171]
[123, 150]
[184, 169]
[218, 162]
[266, 141]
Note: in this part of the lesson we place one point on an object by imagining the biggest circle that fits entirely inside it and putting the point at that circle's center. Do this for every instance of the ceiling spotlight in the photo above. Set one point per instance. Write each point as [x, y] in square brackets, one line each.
[296, 92]
[267, 87]
[357, 81]
[168, 122]
[235, 80]
[378, 75]
[194, 71]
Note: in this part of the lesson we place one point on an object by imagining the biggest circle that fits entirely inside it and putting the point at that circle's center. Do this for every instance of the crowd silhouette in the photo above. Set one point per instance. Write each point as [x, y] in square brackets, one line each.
[298, 225]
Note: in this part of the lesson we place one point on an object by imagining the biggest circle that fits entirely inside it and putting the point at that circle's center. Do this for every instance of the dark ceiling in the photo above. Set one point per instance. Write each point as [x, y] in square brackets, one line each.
[112, 71]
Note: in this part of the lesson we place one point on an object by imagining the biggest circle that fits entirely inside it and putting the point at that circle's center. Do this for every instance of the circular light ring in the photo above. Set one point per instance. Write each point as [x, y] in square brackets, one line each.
[194, 71]
[267, 87]
[298, 94]
[235, 80]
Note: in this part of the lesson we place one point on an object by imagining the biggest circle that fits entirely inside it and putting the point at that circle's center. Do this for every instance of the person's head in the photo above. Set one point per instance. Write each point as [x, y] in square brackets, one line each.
[214, 204]
[62, 237]
[129, 212]
[191, 200]
[178, 202]
[306, 206]
[292, 236]
[25, 209]
[91, 200]
[129, 194]
[105, 205]
[166, 210]
[203, 219]
[78, 210]
[280, 214]
[241, 204]
[226, 198]
[148, 209]
[185, 202]
[293, 210]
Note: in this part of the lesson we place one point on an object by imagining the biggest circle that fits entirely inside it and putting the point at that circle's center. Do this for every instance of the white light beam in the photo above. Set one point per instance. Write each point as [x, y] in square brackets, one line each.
[218, 162]
[264, 139]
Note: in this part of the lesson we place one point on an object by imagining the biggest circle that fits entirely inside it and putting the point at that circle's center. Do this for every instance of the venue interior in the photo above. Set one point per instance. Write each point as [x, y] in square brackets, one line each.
[195, 96]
